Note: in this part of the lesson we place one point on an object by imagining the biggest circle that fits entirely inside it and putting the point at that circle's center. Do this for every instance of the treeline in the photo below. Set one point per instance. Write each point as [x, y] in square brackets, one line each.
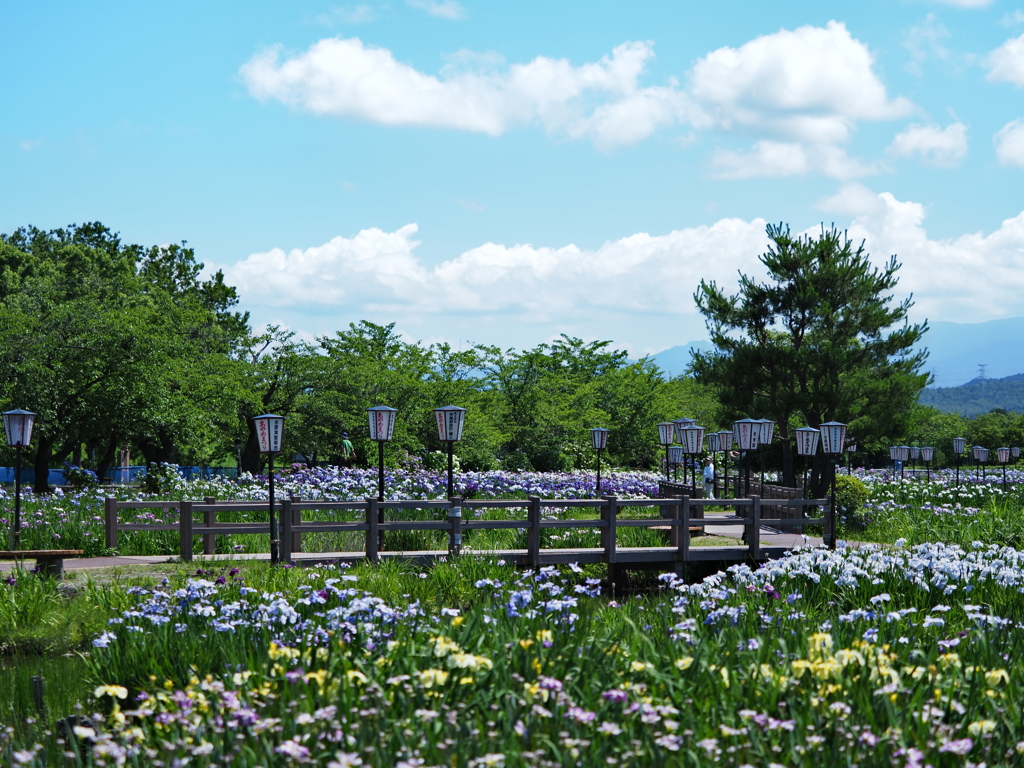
[978, 397]
[115, 344]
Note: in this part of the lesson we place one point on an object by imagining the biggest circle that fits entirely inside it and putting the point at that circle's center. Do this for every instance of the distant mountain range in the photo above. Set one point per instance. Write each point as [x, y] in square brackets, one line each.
[975, 367]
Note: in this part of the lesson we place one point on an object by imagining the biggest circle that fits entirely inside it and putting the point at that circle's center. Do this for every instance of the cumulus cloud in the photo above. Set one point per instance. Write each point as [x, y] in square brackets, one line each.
[1010, 144]
[1006, 63]
[347, 78]
[636, 290]
[966, 3]
[777, 159]
[380, 271]
[811, 84]
[970, 278]
[941, 147]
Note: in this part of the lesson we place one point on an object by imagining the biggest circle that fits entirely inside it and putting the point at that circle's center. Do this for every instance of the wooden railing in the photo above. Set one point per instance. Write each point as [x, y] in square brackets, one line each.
[678, 514]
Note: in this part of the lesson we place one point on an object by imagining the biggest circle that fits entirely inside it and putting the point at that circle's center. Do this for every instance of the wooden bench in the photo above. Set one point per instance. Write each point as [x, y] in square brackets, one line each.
[48, 561]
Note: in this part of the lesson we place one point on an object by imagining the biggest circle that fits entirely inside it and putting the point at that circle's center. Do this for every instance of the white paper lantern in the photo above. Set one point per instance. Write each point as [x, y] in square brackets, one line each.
[382, 422]
[18, 426]
[693, 439]
[269, 431]
[747, 433]
[666, 432]
[807, 440]
[833, 437]
[450, 420]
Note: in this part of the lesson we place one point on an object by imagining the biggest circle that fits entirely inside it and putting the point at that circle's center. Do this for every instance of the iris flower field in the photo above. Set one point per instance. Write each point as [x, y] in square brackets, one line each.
[897, 649]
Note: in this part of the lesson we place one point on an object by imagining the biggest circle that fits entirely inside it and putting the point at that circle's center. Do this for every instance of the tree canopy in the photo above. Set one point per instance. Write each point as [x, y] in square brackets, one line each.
[822, 339]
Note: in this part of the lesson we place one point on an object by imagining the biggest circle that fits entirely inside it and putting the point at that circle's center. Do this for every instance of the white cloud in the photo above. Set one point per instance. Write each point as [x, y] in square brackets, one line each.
[811, 84]
[777, 159]
[1006, 63]
[445, 9]
[970, 278]
[636, 290]
[941, 147]
[1010, 144]
[345, 77]
[380, 271]
[966, 3]
[27, 145]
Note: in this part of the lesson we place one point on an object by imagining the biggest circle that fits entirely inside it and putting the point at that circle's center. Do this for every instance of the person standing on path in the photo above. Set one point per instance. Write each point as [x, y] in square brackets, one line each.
[709, 479]
[347, 450]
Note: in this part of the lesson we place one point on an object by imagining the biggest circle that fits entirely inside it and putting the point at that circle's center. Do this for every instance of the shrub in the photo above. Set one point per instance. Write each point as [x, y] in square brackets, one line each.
[80, 478]
[161, 478]
[851, 495]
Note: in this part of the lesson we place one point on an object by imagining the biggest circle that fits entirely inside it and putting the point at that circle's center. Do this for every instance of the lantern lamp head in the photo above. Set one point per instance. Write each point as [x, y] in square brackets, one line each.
[599, 438]
[959, 443]
[767, 431]
[927, 453]
[807, 440]
[18, 426]
[450, 421]
[382, 422]
[666, 432]
[833, 437]
[693, 439]
[747, 433]
[269, 431]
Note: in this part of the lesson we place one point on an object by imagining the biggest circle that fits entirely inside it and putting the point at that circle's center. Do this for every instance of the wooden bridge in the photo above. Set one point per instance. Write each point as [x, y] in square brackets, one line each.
[678, 517]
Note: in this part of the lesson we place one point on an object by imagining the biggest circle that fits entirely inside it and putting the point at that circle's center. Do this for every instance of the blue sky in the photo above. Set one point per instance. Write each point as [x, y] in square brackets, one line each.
[504, 172]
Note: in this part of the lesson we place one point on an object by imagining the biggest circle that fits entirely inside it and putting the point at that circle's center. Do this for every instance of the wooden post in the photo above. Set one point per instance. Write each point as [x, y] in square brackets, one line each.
[210, 520]
[455, 532]
[286, 530]
[673, 512]
[684, 539]
[372, 522]
[296, 523]
[830, 519]
[755, 537]
[185, 531]
[609, 514]
[110, 522]
[533, 532]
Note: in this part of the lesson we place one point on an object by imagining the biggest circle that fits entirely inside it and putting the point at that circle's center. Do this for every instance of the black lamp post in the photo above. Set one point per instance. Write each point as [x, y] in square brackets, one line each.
[450, 420]
[747, 434]
[833, 439]
[959, 444]
[915, 456]
[675, 458]
[1004, 457]
[666, 436]
[693, 445]
[18, 427]
[981, 457]
[714, 439]
[680, 425]
[763, 441]
[725, 443]
[599, 439]
[382, 426]
[806, 445]
[927, 454]
[269, 431]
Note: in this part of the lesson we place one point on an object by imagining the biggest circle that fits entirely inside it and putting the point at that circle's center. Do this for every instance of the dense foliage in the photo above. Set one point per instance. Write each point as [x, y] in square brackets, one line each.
[820, 340]
[978, 396]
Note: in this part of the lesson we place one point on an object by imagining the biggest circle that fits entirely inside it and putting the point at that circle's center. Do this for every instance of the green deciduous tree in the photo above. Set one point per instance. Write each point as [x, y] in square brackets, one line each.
[820, 340]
